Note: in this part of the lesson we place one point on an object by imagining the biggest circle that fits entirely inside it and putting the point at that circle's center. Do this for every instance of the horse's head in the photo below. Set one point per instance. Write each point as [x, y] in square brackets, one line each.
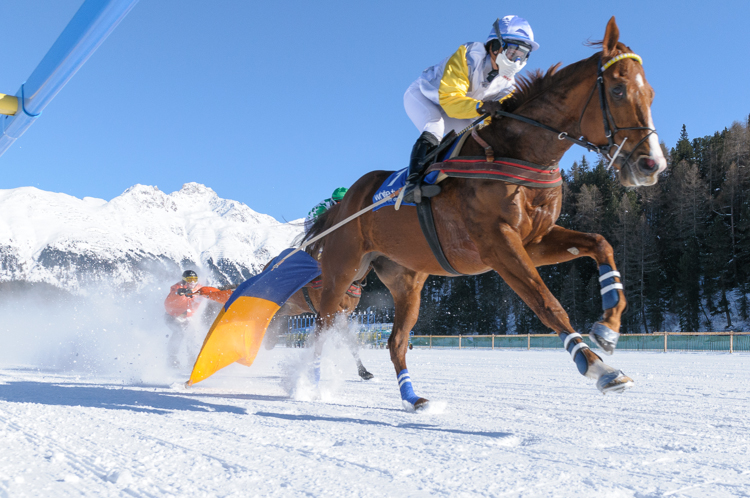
[626, 114]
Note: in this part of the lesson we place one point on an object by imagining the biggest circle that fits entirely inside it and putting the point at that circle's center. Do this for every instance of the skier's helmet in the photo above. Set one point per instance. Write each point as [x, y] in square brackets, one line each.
[189, 276]
[339, 194]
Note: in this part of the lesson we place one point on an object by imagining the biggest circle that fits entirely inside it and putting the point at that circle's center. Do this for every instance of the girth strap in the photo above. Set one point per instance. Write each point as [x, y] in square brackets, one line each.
[309, 301]
[427, 224]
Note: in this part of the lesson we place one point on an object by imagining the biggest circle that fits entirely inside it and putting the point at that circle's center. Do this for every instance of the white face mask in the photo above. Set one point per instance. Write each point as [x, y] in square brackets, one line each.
[507, 68]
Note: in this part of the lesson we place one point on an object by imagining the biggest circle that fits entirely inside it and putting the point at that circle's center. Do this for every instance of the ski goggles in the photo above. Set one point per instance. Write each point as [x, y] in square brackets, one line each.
[516, 51]
[190, 279]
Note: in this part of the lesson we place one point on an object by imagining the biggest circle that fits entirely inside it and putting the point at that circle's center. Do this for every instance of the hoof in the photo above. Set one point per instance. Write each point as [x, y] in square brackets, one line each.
[365, 374]
[614, 382]
[419, 405]
[604, 337]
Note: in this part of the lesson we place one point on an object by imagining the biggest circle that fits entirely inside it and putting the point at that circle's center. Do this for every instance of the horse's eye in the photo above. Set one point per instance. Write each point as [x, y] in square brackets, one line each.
[618, 91]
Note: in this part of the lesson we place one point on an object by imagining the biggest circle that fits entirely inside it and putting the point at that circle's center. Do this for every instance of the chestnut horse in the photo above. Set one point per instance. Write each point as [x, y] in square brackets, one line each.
[488, 225]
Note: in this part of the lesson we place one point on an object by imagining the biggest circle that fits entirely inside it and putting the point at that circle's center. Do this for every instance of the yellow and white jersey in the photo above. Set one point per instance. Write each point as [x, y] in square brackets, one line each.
[459, 82]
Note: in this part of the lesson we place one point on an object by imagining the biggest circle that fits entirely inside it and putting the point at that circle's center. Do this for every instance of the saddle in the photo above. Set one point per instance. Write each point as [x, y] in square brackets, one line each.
[448, 163]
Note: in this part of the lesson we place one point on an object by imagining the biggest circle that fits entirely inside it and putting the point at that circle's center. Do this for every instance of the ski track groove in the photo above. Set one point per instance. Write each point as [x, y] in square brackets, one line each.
[82, 463]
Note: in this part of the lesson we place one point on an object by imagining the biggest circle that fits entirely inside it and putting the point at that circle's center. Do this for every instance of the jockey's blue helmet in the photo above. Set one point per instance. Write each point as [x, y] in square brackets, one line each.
[515, 28]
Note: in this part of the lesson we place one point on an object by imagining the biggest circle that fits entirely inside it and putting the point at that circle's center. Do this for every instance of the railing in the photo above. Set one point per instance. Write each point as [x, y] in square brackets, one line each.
[375, 334]
[369, 332]
[658, 341]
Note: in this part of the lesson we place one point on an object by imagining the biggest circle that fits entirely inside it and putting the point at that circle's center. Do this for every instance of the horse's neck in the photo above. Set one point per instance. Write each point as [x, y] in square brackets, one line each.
[560, 107]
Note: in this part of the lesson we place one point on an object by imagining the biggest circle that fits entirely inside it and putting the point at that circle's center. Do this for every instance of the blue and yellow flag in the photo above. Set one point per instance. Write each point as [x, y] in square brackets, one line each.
[238, 330]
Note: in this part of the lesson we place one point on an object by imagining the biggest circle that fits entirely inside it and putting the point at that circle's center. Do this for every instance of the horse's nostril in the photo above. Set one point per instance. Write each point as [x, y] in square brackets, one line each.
[648, 163]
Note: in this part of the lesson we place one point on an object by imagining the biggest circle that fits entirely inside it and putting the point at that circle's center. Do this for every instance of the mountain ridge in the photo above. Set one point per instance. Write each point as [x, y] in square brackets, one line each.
[142, 236]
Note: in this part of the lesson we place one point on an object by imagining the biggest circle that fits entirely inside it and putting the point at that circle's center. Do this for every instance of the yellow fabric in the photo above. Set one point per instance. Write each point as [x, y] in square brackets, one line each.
[235, 336]
[453, 87]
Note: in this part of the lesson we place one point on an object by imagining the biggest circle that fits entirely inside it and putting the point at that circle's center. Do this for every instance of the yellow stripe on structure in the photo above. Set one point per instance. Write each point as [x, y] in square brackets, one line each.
[8, 104]
[235, 336]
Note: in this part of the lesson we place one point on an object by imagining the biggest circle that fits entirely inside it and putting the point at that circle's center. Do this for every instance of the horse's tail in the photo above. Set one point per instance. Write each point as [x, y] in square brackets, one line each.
[323, 223]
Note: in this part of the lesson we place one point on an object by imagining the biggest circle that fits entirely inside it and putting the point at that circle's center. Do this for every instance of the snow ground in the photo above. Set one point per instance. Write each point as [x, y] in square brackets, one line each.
[505, 423]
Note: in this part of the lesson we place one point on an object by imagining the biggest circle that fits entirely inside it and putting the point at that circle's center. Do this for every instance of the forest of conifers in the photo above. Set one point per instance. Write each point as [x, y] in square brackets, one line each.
[682, 246]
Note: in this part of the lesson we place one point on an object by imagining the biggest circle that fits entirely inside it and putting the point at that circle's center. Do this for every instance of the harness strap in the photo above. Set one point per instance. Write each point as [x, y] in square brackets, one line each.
[427, 224]
[488, 152]
[309, 301]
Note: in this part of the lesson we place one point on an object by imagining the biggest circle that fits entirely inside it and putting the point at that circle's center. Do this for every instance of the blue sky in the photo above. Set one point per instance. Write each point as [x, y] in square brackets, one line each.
[277, 103]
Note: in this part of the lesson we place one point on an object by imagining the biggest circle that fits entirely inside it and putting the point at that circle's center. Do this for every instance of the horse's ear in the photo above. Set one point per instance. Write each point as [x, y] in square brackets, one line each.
[611, 37]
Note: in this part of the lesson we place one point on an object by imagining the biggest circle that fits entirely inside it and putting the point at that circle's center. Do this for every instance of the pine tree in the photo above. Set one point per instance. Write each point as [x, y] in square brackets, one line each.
[684, 150]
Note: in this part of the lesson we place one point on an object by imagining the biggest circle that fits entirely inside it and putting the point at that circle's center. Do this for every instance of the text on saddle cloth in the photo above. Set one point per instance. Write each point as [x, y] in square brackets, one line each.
[394, 182]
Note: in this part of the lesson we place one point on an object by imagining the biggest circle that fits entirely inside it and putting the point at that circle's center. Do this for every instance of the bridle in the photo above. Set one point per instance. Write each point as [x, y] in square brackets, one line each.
[611, 131]
[610, 127]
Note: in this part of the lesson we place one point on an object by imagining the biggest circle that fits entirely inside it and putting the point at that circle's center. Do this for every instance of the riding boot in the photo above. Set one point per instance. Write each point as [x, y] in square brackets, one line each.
[426, 143]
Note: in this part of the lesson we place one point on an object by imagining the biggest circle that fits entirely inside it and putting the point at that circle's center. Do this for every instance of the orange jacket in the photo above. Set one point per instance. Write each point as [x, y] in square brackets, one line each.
[177, 305]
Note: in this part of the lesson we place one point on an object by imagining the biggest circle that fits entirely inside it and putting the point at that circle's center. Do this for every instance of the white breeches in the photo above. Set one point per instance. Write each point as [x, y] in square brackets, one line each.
[428, 116]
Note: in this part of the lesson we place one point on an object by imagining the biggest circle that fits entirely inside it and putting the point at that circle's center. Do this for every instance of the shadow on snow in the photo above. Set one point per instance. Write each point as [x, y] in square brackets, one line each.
[426, 427]
[109, 398]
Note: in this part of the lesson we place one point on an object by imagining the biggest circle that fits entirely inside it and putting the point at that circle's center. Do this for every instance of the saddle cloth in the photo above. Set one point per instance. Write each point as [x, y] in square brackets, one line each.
[354, 290]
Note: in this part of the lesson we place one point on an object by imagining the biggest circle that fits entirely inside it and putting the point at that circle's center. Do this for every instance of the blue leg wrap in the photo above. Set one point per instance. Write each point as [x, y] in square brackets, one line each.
[573, 344]
[610, 296]
[404, 385]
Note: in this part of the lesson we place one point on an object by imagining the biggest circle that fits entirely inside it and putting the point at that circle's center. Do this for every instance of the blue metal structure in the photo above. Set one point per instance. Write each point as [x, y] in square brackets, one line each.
[88, 29]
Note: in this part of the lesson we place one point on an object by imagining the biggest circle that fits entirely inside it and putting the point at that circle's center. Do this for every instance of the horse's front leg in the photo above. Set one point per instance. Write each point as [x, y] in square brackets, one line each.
[561, 245]
[405, 286]
[505, 253]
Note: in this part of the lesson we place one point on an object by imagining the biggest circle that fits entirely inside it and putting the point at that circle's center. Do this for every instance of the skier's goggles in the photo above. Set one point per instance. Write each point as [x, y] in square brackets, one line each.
[190, 279]
[517, 52]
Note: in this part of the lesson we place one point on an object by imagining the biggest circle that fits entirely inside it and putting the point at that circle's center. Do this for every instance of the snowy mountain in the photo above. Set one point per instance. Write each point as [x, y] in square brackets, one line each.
[141, 236]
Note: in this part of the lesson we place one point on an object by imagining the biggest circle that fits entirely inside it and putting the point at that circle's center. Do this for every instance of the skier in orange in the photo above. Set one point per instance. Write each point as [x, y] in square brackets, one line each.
[183, 300]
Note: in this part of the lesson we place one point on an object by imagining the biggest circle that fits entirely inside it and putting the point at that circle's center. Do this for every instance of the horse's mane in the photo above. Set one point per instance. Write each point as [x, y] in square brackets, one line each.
[535, 83]
[323, 223]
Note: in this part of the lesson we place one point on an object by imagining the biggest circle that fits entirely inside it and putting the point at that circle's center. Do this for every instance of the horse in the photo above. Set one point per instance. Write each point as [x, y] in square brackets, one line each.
[307, 300]
[485, 225]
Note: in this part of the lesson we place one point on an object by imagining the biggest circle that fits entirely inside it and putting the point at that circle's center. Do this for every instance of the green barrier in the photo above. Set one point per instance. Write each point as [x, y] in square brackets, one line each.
[641, 343]
[741, 343]
[708, 341]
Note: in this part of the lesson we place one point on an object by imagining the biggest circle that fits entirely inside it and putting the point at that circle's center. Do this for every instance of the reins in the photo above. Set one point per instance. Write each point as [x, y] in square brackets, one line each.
[609, 131]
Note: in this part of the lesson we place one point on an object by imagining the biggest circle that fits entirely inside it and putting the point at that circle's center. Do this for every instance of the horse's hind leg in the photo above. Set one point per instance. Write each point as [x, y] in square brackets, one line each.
[405, 286]
[560, 245]
[506, 255]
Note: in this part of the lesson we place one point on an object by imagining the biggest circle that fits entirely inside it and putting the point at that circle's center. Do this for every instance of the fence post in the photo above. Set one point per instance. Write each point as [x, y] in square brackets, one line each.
[430, 341]
[528, 342]
[459, 341]
[493, 342]
[731, 341]
[665, 342]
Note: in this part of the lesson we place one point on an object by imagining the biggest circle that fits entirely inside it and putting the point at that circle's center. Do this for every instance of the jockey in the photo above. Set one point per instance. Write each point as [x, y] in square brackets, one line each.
[471, 82]
[324, 206]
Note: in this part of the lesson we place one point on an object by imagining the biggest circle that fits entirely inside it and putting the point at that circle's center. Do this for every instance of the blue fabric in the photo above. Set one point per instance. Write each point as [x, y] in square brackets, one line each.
[611, 298]
[580, 359]
[407, 391]
[278, 285]
[395, 182]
